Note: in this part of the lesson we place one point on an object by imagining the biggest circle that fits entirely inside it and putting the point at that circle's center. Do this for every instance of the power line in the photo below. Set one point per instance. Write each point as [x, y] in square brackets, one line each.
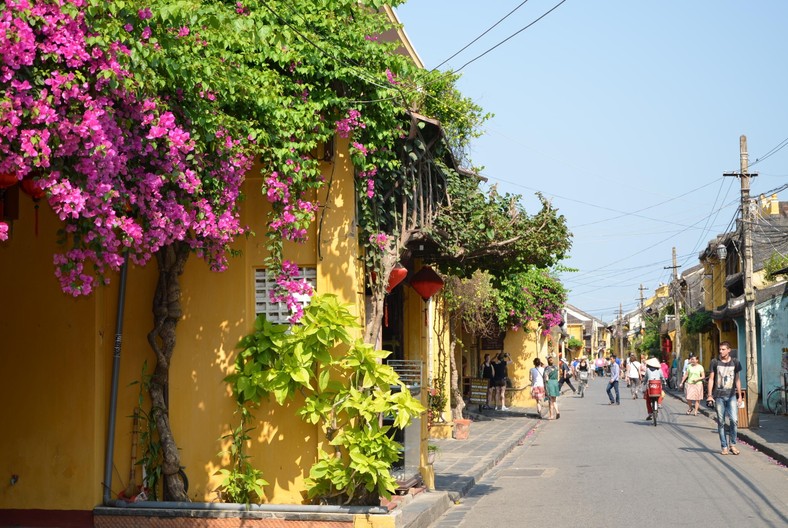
[510, 36]
[480, 36]
[772, 152]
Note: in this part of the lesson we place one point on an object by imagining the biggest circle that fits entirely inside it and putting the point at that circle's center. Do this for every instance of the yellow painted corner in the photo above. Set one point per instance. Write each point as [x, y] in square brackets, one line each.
[374, 521]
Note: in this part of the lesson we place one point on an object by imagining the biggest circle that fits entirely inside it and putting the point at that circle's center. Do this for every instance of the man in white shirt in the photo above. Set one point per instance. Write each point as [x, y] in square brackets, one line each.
[633, 375]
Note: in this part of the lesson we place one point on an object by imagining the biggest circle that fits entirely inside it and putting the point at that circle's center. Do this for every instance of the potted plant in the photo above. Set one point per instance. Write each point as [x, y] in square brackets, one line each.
[432, 453]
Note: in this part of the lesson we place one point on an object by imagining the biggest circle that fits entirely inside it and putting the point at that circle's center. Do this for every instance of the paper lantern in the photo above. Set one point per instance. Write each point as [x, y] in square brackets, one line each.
[7, 180]
[33, 188]
[397, 275]
[426, 282]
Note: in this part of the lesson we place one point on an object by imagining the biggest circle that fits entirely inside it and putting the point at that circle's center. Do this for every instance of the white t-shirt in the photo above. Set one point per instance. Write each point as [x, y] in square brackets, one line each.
[537, 377]
[634, 369]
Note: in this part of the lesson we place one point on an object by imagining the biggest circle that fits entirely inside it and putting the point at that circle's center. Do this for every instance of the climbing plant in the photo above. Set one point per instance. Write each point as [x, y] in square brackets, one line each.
[346, 389]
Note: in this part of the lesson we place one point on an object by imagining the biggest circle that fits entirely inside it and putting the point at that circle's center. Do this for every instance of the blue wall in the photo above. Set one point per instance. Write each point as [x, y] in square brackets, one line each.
[773, 359]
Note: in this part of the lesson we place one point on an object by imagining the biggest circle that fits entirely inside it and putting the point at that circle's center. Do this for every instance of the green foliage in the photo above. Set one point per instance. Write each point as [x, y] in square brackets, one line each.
[242, 483]
[346, 389]
[493, 232]
[697, 322]
[574, 343]
[649, 342]
[775, 263]
[474, 302]
[529, 296]
[151, 458]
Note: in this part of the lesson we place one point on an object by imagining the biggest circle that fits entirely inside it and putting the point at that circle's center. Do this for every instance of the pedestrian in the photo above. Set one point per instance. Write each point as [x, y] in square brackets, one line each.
[615, 371]
[499, 381]
[653, 372]
[665, 368]
[487, 372]
[725, 391]
[582, 376]
[599, 366]
[537, 385]
[566, 375]
[633, 376]
[552, 388]
[693, 383]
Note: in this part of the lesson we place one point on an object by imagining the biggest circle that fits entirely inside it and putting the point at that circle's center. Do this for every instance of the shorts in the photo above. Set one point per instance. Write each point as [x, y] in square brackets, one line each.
[499, 382]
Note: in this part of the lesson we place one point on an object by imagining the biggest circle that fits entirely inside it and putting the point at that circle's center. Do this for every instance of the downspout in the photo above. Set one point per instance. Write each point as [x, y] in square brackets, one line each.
[113, 398]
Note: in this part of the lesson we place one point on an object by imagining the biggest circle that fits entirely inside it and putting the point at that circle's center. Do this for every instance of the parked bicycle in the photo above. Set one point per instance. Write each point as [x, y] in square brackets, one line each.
[777, 398]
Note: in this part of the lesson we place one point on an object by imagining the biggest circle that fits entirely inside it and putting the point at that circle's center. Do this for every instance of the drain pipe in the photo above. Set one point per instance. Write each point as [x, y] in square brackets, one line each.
[113, 398]
[226, 506]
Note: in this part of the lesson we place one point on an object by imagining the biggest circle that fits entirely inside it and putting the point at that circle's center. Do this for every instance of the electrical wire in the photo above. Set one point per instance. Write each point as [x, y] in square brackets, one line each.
[509, 37]
[480, 36]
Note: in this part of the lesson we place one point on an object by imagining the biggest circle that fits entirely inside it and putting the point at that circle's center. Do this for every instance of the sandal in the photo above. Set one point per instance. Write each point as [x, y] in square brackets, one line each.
[734, 451]
[689, 411]
[724, 451]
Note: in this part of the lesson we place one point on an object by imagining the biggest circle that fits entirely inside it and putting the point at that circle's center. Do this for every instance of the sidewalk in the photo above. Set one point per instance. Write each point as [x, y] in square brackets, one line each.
[462, 463]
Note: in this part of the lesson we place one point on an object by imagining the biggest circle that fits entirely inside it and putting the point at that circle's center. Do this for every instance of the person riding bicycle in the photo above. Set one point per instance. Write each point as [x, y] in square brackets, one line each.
[653, 372]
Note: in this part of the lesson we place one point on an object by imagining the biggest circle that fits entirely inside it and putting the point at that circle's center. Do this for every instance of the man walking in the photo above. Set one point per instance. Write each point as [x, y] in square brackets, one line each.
[566, 374]
[615, 371]
[633, 376]
[725, 390]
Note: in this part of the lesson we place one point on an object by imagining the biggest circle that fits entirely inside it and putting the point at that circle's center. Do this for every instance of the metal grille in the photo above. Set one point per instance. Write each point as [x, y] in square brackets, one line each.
[408, 370]
[264, 285]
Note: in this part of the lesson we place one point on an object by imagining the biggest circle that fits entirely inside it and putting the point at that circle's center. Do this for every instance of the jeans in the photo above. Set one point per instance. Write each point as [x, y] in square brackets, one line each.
[727, 406]
[611, 386]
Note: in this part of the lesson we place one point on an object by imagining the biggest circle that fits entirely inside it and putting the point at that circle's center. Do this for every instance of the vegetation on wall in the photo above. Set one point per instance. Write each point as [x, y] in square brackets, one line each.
[773, 264]
[697, 322]
[345, 389]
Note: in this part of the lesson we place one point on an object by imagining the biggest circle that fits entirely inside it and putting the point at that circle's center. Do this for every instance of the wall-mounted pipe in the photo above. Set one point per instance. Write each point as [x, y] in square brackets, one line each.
[113, 397]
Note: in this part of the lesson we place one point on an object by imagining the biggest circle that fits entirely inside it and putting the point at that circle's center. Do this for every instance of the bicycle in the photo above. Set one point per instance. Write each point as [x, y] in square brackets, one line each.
[777, 398]
[654, 393]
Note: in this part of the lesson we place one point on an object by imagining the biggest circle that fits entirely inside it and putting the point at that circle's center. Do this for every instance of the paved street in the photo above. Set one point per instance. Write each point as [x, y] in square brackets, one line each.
[602, 465]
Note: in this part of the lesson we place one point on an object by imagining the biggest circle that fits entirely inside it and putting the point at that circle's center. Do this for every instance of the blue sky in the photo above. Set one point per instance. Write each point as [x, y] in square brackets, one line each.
[624, 113]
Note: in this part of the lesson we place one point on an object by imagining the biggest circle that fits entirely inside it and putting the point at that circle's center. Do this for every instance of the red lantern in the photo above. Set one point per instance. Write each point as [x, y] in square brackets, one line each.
[6, 180]
[397, 275]
[32, 188]
[426, 282]
[35, 191]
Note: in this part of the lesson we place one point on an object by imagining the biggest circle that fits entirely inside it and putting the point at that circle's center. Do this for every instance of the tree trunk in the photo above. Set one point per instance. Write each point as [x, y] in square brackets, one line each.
[166, 315]
[456, 393]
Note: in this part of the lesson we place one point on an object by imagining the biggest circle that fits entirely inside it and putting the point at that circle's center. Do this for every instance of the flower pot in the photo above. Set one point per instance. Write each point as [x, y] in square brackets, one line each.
[462, 428]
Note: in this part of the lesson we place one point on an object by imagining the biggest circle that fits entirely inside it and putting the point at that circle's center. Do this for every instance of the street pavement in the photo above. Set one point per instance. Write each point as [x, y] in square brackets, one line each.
[461, 464]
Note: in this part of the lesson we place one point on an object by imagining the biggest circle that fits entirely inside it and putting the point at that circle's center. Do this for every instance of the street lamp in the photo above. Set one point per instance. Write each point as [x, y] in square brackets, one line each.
[722, 252]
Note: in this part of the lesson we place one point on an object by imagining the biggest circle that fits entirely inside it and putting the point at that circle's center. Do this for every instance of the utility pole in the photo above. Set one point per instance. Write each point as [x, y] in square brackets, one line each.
[620, 330]
[675, 290]
[749, 294]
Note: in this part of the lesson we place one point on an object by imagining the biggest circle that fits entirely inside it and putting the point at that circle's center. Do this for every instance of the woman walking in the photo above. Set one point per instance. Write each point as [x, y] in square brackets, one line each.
[551, 375]
[693, 377]
[582, 376]
[537, 385]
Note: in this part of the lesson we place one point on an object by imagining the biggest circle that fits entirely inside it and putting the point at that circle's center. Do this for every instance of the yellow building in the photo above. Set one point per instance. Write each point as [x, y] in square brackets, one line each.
[58, 360]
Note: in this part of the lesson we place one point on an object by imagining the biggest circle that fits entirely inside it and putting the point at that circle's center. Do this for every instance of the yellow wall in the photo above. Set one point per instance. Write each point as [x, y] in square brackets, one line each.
[524, 346]
[52, 431]
[57, 356]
